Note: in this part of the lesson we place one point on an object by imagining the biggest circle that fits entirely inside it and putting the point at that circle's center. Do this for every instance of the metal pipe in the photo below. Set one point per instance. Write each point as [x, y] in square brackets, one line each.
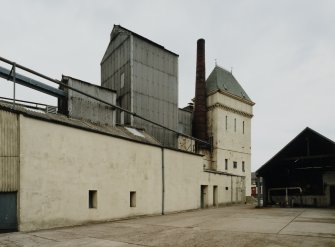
[24, 101]
[31, 83]
[286, 192]
[100, 100]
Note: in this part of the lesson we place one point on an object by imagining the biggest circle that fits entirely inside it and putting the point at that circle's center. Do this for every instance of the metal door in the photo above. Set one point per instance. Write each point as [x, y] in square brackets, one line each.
[8, 219]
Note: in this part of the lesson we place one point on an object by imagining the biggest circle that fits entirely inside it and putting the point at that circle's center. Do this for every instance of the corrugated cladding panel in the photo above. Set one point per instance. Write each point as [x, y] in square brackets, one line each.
[156, 90]
[185, 122]
[115, 63]
[9, 151]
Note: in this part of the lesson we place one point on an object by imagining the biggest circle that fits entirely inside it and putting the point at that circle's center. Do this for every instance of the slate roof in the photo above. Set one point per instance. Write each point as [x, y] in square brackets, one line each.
[221, 79]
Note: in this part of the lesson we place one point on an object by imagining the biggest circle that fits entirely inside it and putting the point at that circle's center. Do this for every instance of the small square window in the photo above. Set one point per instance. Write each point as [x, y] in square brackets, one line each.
[132, 199]
[235, 164]
[227, 188]
[92, 199]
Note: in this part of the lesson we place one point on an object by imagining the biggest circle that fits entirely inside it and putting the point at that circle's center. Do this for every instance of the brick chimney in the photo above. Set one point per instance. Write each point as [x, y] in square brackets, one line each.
[199, 125]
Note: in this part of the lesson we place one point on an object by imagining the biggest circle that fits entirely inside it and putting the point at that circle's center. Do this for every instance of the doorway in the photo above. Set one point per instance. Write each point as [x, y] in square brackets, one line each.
[215, 196]
[8, 208]
[204, 196]
[332, 195]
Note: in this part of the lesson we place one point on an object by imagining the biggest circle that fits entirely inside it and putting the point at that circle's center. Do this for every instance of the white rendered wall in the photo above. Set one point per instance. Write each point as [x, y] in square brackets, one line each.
[59, 165]
[229, 142]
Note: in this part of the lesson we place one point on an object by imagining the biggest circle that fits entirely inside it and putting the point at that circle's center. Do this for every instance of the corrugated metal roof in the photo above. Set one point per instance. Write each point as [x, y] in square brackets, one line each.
[221, 79]
[116, 131]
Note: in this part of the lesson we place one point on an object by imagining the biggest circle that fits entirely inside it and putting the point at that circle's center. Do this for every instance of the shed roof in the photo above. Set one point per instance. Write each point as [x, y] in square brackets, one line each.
[309, 150]
[223, 80]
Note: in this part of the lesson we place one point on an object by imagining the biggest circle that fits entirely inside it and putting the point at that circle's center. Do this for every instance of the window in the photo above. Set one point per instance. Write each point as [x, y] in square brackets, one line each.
[226, 122]
[92, 199]
[132, 199]
[235, 164]
[243, 127]
[243, 168]
[226, 164]
[122, 80]
[122, 117]
[235, 124]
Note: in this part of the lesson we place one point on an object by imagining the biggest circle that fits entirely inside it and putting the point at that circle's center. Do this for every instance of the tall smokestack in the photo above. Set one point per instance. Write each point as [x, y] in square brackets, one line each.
[199, 125]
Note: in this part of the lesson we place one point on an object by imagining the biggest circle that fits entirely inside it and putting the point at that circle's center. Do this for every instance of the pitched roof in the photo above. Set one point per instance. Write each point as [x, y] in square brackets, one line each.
[221, 79]
[308, 147]
[119, 29]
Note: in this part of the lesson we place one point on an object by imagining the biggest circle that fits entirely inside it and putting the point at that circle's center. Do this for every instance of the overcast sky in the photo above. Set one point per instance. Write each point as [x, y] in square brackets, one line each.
[281, 52]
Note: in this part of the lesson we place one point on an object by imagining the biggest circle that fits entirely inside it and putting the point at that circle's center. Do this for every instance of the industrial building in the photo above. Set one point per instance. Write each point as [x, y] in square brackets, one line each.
[123, 149]
[145, 76]
[302, 173]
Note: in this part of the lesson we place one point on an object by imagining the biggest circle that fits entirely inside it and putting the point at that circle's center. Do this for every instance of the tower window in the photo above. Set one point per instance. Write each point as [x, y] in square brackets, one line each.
[243, 127]
[122, 117]
[243, 168]
[226, 164]
[122, 80]
[235, 124]
[235, 164]
[226, 122]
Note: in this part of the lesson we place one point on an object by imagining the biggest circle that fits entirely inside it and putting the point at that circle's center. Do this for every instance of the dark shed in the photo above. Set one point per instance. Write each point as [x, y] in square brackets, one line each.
[302, 173]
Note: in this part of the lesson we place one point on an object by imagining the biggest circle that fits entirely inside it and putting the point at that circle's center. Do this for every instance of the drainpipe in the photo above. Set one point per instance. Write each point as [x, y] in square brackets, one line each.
[163, 182]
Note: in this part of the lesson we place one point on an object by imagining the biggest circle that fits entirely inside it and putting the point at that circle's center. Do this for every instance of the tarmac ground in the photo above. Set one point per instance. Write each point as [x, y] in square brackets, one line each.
[239, 225]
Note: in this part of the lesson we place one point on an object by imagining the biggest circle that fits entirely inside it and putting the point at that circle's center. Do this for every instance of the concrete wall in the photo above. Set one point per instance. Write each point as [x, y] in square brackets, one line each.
[9, 152]
[82, 107]
[59, 165]
[230, 126]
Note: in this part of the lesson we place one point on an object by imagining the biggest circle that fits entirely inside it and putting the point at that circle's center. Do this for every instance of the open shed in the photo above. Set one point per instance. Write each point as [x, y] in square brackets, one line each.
[302, 173]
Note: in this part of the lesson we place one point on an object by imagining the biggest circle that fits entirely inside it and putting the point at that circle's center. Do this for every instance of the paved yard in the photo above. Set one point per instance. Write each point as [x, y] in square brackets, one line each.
[229, 226]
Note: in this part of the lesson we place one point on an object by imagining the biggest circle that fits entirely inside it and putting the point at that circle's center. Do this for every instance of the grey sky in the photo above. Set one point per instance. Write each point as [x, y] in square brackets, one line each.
[282, 52]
